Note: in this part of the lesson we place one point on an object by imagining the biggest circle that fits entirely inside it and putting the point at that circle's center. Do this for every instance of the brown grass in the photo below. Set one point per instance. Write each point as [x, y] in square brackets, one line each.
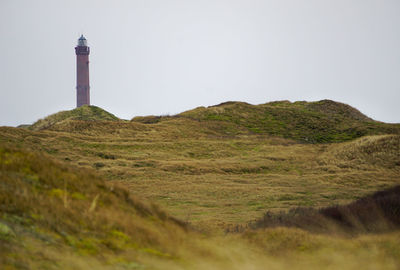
[379, 212]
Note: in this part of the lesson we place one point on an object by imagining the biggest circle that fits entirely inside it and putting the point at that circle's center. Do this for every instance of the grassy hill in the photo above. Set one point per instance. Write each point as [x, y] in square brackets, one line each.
[79, 194]
[313, 122]
[85, 113]
[193, 167]
[57, 216]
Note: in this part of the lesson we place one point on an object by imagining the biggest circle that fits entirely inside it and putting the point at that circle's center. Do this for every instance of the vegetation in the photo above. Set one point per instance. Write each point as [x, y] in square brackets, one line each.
[86, 113]
[312, 122]
[374, 213]
[45, 201]
[82, 192]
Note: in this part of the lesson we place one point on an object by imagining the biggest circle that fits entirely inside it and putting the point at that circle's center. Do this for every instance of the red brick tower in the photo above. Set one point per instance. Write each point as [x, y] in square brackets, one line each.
[82, 72]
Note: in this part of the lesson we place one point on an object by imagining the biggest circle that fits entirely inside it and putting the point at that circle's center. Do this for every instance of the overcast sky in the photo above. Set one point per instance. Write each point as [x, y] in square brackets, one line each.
[168, 56]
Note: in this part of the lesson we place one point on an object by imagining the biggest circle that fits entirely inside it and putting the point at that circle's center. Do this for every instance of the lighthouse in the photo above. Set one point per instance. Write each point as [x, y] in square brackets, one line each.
[82, 72]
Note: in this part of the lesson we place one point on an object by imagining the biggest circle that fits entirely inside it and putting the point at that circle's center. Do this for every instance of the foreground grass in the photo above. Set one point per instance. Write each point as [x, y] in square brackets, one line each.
[49, 203]
[53, 216]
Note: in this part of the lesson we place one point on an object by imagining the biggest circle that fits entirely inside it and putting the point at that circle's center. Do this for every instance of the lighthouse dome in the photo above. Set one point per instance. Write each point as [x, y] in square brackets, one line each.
[82, 41]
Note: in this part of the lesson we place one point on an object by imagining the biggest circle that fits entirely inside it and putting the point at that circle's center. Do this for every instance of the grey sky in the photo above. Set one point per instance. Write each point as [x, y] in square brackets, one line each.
[167, 56]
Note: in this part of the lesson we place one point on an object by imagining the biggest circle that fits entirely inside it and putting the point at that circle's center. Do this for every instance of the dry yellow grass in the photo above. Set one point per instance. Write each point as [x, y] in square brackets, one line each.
[214, 175]
[213, 181]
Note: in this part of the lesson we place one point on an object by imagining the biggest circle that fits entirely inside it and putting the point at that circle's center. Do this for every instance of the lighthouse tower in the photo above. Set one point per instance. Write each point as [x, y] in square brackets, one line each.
[82, 72]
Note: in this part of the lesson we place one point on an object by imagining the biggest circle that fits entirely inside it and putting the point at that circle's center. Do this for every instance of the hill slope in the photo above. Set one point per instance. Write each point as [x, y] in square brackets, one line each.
[54, 216]
[314, 122]
[310, 122]
[43, 202]
[86, 113]
[66, 203]
[192, 167]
